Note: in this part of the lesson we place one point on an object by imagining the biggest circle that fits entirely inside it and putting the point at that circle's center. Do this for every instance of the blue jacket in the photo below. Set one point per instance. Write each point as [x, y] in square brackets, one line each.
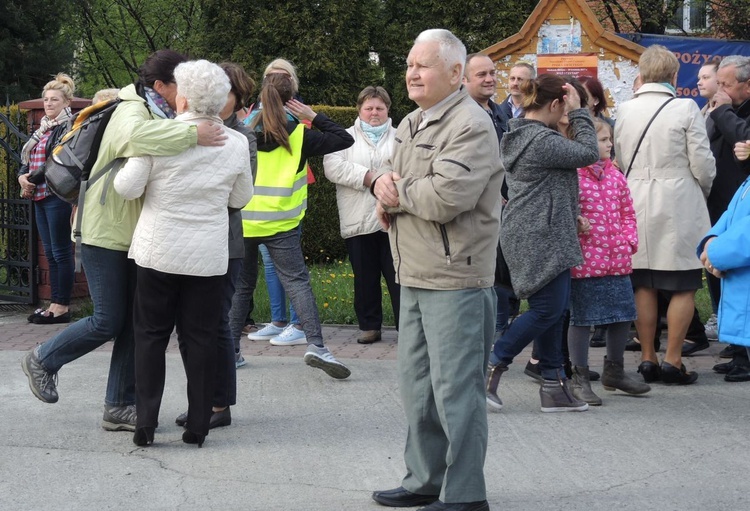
[730, 253]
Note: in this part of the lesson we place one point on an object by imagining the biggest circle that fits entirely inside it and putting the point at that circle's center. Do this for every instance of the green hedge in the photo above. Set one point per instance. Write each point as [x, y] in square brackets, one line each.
[321, 238]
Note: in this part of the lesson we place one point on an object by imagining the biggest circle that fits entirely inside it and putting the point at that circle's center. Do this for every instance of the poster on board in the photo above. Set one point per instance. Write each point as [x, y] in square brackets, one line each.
[570, 64]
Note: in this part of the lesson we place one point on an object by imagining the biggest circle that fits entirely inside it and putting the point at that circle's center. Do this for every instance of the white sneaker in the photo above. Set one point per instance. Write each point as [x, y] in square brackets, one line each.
[321, 358]
[290, 336]
[266, 333]
[712, 328]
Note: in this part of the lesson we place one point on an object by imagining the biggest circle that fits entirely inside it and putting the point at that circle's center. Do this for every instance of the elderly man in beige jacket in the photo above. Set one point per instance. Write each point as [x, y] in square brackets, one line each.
[441, 206]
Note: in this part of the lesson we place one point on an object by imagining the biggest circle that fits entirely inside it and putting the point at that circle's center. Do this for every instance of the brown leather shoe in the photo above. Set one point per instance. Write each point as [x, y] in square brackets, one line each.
[368, 336]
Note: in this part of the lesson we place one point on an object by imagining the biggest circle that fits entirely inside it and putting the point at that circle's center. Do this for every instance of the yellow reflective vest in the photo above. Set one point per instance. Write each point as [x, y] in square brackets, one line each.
[280, 192]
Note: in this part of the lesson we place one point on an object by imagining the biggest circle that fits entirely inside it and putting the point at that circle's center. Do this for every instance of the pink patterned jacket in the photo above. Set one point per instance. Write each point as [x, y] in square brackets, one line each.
[605, 201]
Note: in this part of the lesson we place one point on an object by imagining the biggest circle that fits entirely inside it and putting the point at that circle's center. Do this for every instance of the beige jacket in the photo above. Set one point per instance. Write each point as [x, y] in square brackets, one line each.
[670, 178]
[347, 169]
[444, 236]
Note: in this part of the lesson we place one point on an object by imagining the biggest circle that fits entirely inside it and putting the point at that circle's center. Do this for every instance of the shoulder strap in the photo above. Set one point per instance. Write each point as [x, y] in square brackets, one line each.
[114, 166]
[638, 146]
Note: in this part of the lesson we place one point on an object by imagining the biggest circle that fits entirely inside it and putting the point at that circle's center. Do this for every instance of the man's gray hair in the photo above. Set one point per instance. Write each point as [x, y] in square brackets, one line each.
[741, 66]
[452, 50]
[204, 84]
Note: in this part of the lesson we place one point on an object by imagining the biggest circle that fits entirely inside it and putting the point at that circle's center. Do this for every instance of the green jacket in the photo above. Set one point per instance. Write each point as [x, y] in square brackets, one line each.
[132, 131]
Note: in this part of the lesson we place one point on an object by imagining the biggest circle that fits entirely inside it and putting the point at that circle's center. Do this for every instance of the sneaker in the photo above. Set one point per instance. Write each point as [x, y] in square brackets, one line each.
[712, 328]
[557, 397]
[119, 418]
[290, 336]
[239, 360]
[266, 333]
[41, 382]
[321, 358]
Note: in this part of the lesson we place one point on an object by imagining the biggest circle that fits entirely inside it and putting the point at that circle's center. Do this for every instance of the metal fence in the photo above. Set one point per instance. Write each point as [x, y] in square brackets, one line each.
[18, 273]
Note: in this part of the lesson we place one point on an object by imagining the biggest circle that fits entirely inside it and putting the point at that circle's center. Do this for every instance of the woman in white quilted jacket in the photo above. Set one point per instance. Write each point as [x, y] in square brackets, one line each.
[180, 249]
[369, 250]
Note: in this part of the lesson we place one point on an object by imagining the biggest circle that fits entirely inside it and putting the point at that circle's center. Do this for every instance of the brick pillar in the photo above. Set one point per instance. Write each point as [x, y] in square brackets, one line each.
[35, 112]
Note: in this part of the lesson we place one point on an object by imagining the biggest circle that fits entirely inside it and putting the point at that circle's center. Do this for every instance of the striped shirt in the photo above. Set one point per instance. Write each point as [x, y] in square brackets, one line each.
[36, 160]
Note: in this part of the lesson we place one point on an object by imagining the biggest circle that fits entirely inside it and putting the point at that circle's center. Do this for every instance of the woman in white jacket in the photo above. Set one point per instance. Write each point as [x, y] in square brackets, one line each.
[180, 248]
[669, 176]
[369, 250]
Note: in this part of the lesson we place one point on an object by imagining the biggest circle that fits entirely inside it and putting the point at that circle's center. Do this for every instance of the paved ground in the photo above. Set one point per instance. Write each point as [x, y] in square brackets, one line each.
[302, 441]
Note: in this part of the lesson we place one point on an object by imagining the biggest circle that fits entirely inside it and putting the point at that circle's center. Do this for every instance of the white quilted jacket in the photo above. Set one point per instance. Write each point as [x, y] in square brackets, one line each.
[347, 169]
[184, 223]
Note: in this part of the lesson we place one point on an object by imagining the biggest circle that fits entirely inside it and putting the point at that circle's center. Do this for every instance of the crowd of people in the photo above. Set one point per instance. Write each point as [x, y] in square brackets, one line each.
[464, 209]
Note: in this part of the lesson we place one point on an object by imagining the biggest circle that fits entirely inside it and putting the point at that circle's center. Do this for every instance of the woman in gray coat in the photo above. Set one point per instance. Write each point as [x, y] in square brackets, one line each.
[539, 230]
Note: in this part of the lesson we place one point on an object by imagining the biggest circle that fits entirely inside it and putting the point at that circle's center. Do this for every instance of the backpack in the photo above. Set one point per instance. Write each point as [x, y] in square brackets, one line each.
[69, 166]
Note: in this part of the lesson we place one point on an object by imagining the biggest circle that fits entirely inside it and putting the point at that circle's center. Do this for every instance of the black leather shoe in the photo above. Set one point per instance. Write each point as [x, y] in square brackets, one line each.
[738, 373]
[143, 437]
[401, 497]
[193, 438]
[650, 371]
[730, 351]
[533, 370]
[634, 345]
[181, 420]
[691, 347]
[724, 367]
[597, 340]
[438, 505]
[218, 419]
[51, 319]
[680, 376]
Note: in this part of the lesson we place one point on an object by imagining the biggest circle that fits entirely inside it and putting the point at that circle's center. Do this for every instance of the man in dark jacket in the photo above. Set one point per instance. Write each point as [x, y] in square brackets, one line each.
[728, 124]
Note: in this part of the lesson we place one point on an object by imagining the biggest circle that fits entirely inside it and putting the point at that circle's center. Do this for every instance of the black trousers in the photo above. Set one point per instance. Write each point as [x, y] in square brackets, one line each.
[163, 300]
[370, 256]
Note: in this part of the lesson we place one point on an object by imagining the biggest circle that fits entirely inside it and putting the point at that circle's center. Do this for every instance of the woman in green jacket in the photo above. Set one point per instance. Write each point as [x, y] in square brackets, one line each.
[139, 126]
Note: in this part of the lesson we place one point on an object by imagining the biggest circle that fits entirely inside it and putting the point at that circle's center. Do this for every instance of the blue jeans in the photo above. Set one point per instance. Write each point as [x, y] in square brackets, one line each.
[543, 322]
[286, 253]
[111, 278]
[53, 222]
[276, 294]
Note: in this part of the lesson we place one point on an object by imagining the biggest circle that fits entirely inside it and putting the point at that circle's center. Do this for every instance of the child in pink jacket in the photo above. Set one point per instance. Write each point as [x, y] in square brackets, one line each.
[601, 293]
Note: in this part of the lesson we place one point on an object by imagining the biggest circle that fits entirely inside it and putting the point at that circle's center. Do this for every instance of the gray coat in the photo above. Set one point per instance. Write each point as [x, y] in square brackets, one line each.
[538, 233]
[236, 239]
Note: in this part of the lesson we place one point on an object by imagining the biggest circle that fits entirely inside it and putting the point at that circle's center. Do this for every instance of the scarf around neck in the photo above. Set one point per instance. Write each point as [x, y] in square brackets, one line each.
[45, 125]
[158, 104]
[374, 133]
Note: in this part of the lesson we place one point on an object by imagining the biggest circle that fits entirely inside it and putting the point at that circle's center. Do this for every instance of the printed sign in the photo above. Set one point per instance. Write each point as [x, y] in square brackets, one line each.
[571, 64]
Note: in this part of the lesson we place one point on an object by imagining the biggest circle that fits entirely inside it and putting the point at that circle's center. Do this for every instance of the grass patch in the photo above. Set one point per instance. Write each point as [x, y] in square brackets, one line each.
[333, 287]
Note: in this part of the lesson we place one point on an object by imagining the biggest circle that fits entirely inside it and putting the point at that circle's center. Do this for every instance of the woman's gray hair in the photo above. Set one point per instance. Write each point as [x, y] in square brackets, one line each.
[204, 84]
[741, 66]
[452, 50]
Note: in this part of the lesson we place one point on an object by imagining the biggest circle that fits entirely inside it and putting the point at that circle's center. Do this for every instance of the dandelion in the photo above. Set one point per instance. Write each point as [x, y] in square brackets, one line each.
[333, 275]
[325, 305]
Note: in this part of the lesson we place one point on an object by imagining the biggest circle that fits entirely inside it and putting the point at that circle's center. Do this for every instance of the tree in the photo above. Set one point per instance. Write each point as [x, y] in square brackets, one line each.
[115, 36]
[478, 24]
[32, 49]
[729, 18]
[328, 42]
